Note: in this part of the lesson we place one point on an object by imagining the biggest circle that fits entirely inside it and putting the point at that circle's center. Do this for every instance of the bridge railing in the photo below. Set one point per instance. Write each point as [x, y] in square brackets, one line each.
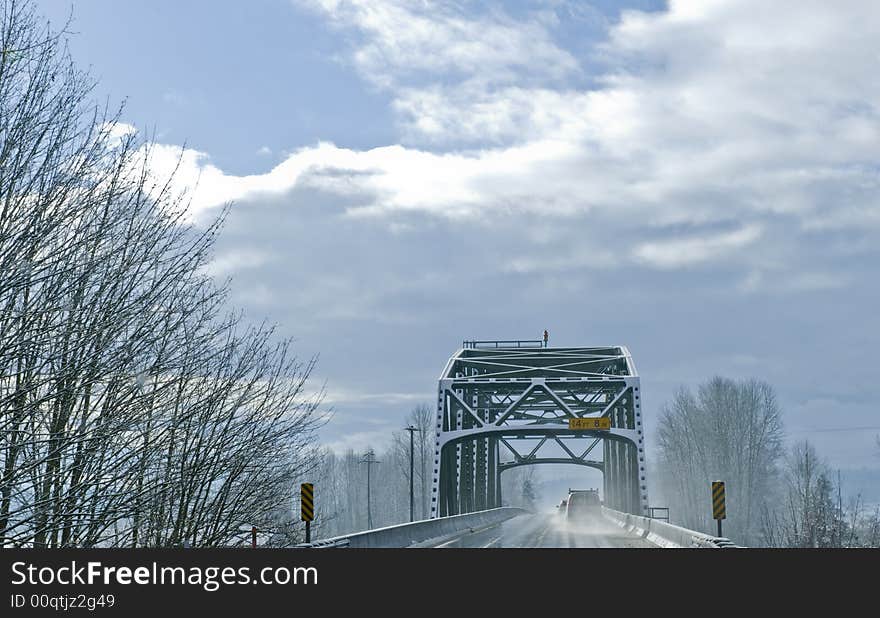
[408, 534]
[503, 343]
[664, 534]
[434, 531]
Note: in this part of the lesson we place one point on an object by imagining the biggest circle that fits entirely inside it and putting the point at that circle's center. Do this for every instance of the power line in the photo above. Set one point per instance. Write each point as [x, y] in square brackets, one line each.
[834, 429]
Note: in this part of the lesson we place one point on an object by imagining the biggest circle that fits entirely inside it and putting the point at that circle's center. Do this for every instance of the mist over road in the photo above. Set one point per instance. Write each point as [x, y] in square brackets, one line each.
[549, 530]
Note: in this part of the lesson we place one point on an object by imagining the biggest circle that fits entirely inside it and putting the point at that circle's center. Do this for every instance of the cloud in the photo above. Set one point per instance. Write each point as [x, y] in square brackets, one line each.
[235, 261]
[336, 396]
[116, 132]
[699, 115]
[700, 185]
[692, 250]
[359, 441]
[404, 39]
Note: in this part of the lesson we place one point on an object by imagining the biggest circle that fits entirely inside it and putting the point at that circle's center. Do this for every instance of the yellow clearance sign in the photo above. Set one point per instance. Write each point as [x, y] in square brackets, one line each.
[583, 424]
[719, 510]
[307, 501]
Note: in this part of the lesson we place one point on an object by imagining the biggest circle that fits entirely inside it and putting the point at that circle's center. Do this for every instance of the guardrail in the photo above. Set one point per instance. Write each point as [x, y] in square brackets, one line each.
[405, 535]
[665, 534]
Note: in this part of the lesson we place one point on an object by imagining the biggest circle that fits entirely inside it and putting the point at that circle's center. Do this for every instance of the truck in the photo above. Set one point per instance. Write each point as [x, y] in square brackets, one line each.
[583, 504]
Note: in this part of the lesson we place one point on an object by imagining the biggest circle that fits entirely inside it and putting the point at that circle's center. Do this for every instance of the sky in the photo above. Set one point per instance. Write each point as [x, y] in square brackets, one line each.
[696, 180]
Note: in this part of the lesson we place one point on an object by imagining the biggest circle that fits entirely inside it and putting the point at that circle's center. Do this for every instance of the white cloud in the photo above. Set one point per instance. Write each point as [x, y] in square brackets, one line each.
[358, 441]
[394, 178]
[406, 38]
[691, 250]
[236, 260]
[729, 147]
[116, 132]
[708, 113]
[337, 395]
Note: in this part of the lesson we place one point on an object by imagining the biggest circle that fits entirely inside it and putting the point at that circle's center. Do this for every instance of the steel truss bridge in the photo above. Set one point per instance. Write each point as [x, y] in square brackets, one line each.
[503, 404]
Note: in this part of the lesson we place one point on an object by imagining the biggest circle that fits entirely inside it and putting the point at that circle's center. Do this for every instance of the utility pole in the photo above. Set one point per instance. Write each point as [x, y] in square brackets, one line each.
[411, 429]
[369, 459]
[839, 512]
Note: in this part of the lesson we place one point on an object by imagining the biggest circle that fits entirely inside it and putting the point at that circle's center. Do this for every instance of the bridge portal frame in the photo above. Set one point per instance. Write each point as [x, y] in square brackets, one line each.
[491, 398]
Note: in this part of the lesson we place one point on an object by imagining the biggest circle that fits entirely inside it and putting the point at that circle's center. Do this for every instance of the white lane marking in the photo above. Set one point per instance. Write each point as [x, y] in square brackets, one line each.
[448, 543]
[492, 542]
[472, 532]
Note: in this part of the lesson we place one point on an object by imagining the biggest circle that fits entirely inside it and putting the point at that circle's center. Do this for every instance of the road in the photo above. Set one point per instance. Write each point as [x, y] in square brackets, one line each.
[549, 530]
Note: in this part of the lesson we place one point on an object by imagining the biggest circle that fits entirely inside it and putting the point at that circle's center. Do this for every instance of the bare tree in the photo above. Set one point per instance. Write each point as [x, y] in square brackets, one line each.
[343, 477]
[519, 487]
[730, 431]
[422, 418]
[808, 516]
[871, 528]
[134, 409]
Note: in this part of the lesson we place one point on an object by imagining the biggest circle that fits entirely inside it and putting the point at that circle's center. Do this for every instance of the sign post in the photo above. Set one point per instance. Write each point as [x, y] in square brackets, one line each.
[719, 510]
[307, 507]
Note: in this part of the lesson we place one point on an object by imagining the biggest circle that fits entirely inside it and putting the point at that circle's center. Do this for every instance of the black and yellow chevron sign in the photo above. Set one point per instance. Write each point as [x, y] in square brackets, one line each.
[307, 501]
[719, 511]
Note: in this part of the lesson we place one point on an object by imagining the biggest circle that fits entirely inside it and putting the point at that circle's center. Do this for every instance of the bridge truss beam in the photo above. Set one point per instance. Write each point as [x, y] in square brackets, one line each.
[503, 407]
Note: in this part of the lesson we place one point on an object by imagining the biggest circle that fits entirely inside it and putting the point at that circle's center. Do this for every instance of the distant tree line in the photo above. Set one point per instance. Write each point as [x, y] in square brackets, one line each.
[778, 497]
[341, 482]
[136, 409]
